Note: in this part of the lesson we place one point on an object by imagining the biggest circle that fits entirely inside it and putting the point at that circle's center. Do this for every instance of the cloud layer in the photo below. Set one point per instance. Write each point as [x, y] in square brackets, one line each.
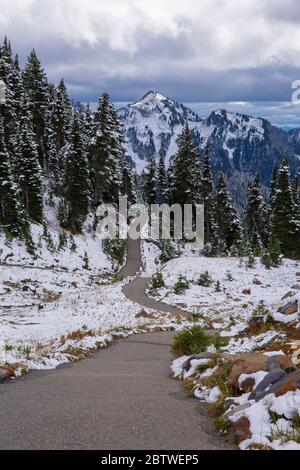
[208, 50]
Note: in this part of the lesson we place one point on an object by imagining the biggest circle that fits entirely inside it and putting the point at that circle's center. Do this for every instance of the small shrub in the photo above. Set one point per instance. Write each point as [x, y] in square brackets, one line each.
[195, 317]
[158, 281]
[272, 257]
[62, 213]
[73, 246]
[220, 341]
[220, 379]
[205, 279]
[250, 261]
[48, 238]
[62, 241]
[218, 287]
[168, 251]
[266, 260]
[191, 341]
[181, 285]
[296, 421]
[115, 249]
[222, 424]
[86, 261]
[260, 310]
[229, 276]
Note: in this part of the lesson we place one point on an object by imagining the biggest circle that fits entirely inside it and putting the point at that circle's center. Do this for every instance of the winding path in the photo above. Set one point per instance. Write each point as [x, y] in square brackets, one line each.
[120, 398]
[135, 290]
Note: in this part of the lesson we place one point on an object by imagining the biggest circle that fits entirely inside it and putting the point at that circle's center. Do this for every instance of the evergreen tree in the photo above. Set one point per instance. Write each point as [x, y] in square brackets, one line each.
[273, 186]
[296, 190]
[87, 123]
[162, 182]
[106, 153]
[185, 177]
[36, 87]
[227, 218]
[53, 162]
[274, 250]
[285, 219]
[256, 217]
[61, 115]
[12, 216]
[10, 74]
[77, 183]
[150, 194]
[128, 183]
[209, 201]
[29, 170]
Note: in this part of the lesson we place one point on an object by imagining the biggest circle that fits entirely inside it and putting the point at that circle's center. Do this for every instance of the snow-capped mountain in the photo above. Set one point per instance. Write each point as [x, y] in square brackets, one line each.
[239, 144]
[153, 123]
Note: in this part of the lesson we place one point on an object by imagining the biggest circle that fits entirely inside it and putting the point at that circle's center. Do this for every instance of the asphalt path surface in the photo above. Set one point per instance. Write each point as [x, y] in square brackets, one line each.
[122, 397]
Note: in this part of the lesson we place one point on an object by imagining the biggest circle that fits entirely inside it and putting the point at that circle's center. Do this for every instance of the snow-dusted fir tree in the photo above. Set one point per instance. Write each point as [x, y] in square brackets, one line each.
[209, 201]
[296, 190]
[285, 218]
[227, 218]
[10, 74]
[52, 167]
[128, 187]
[87, 125]
[61, 115]
[150, 182]
[162, 180]
[185, 177]
[273, 186]
[12, 217]
[256, 216]
[29, 170]
[51, 161]
[36, 87]
[106, 153]
[77, 178]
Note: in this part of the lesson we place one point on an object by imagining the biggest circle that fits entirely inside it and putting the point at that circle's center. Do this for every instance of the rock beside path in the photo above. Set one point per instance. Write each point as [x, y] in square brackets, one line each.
[249, 363]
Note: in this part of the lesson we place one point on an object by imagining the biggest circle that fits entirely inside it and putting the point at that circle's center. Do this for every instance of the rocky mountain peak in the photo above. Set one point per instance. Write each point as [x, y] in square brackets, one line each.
[239, 144]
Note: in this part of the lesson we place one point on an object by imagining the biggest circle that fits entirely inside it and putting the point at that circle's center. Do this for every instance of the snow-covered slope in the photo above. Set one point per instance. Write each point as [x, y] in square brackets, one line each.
[153, 123]
[238, 143]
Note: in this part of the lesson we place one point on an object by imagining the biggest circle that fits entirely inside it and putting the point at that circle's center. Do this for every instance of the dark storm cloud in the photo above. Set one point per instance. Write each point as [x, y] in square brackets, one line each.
[220, 50]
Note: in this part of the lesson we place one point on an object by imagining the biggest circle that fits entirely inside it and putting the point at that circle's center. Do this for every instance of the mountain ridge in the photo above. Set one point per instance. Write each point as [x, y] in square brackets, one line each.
[239, 144]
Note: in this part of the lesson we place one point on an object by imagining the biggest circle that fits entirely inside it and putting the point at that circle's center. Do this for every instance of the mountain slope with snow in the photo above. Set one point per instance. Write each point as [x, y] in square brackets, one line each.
[153, 123]
[240, 145]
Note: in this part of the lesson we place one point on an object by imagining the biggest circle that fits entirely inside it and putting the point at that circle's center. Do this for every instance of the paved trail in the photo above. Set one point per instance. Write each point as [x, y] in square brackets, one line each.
[135, 290]
[120, 398]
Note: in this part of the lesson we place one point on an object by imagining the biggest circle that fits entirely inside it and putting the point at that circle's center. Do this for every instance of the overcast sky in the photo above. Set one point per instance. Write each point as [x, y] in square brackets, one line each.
[191, 50]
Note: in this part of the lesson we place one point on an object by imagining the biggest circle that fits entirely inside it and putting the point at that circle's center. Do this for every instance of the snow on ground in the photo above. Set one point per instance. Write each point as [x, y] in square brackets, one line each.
[273, 420]
[49, 253]
[46, 313]
[50, 316]
[275, 282]
[273, 430]
[150, 258]
[229, 305]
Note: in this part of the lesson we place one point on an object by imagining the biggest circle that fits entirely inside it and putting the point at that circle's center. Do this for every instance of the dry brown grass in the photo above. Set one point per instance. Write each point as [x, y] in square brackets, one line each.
[78, 335]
